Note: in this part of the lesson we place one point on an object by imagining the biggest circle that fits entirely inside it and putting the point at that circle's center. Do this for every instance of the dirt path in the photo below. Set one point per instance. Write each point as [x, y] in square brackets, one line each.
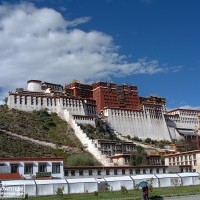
[43, 143]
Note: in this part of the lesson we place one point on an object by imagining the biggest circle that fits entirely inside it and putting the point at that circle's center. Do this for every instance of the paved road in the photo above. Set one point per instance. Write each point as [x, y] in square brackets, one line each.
[191, 197]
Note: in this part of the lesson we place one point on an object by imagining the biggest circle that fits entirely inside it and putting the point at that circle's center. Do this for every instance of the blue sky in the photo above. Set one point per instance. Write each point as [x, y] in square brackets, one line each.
[153, 44]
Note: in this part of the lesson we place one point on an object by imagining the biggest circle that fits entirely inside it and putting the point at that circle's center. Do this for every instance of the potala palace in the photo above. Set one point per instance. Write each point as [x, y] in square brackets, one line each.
[119, 107]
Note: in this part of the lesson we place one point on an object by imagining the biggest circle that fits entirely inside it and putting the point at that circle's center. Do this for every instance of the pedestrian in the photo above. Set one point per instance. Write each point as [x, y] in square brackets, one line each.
[145, 193]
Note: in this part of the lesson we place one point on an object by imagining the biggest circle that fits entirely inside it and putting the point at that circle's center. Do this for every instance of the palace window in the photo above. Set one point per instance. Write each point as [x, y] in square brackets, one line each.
[14, 168]
[32, 101]
[36, 100]
[99, 172]
[15, 99]
[20, 99]
[55, 168]
[107, 172]
[66, 173]
[25, 100]
[80, 172]
[42, 167]
[72, 172]
[90, 172]
[41, 101]
[28, 168]
[137, 171]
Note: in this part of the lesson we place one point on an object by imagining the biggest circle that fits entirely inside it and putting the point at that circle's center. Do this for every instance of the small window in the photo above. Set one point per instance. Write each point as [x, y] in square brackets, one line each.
[157, 171]
[72, 172]
[80, 172]
[56, 168]
[151, 171]
[131, 171]
[115, 171]
[123, 171]
[90, 172]
[137, 171]
[107, 172]
[181, 169]
[14, 168]
[66, 172]
[42, 167]
[144, 171]
[99, 172]
[28, 168]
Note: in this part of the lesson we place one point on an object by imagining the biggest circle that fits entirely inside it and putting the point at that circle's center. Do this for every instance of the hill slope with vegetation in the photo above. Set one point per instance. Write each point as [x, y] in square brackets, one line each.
[40, 125]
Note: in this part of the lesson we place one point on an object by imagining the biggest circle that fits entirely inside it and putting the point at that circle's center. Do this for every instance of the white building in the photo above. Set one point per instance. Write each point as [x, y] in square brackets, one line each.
[33, 168]
[183, 123]
[191, 158]
[116, 171]
[52, 97]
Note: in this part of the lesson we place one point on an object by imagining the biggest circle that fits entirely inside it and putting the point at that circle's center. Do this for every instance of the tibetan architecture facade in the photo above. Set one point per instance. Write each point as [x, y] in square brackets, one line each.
[149, 121]
[119, 106]
[184, 158]
[50, 96]
[110, 95]
[32, 168]
[183, 123]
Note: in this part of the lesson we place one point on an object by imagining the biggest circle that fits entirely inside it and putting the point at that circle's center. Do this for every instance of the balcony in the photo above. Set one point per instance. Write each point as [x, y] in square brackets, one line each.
[43, 174]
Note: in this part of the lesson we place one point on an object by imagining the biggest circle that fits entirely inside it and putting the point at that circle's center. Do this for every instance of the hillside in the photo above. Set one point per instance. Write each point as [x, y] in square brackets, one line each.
[42, 126]
[38, 125]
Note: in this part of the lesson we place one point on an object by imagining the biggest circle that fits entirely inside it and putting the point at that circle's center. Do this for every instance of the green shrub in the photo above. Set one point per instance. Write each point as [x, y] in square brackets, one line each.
[124, 190]
[96, 193]
[59, 192]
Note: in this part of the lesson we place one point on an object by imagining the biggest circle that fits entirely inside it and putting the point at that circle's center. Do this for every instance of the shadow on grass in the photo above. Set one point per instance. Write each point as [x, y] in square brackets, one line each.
[156, 197]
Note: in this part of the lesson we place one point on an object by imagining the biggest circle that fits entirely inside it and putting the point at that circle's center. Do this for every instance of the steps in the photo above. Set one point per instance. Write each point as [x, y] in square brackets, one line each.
[86, 141]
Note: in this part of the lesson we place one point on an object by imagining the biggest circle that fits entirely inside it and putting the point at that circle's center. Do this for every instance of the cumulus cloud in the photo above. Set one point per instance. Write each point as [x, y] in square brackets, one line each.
[39, 43]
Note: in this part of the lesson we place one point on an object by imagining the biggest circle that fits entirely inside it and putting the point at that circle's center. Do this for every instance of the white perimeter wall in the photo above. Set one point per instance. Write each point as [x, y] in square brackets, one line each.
[138, 123]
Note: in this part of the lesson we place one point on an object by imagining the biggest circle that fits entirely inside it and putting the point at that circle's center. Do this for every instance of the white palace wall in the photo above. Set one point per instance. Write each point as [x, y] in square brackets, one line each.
[143, 124]
[53, 104]
[76, 107]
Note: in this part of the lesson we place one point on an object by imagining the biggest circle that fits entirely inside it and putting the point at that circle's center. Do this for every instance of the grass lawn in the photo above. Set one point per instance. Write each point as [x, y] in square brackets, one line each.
[131, 194]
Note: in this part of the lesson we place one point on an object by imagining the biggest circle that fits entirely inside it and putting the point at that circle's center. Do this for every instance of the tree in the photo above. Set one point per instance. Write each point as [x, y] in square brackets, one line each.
[138, 157]
[81, 160]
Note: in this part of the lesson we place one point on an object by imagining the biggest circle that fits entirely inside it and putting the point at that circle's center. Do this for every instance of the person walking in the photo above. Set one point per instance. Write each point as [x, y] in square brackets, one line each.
[145, 193]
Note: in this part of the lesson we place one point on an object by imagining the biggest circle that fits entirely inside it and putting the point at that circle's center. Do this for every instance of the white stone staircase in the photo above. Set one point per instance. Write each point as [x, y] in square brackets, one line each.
[86, 141]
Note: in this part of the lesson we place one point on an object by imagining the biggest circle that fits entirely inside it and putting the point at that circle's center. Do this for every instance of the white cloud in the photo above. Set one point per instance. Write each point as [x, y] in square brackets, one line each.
[190, 107]
[40, 44]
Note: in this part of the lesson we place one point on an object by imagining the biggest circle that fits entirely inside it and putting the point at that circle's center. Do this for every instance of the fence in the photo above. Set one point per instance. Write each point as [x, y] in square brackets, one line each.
[19, 188]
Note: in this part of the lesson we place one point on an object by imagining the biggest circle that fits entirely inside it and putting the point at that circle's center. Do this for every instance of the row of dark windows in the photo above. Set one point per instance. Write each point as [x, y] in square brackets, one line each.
[107, 172]
[42, 167]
